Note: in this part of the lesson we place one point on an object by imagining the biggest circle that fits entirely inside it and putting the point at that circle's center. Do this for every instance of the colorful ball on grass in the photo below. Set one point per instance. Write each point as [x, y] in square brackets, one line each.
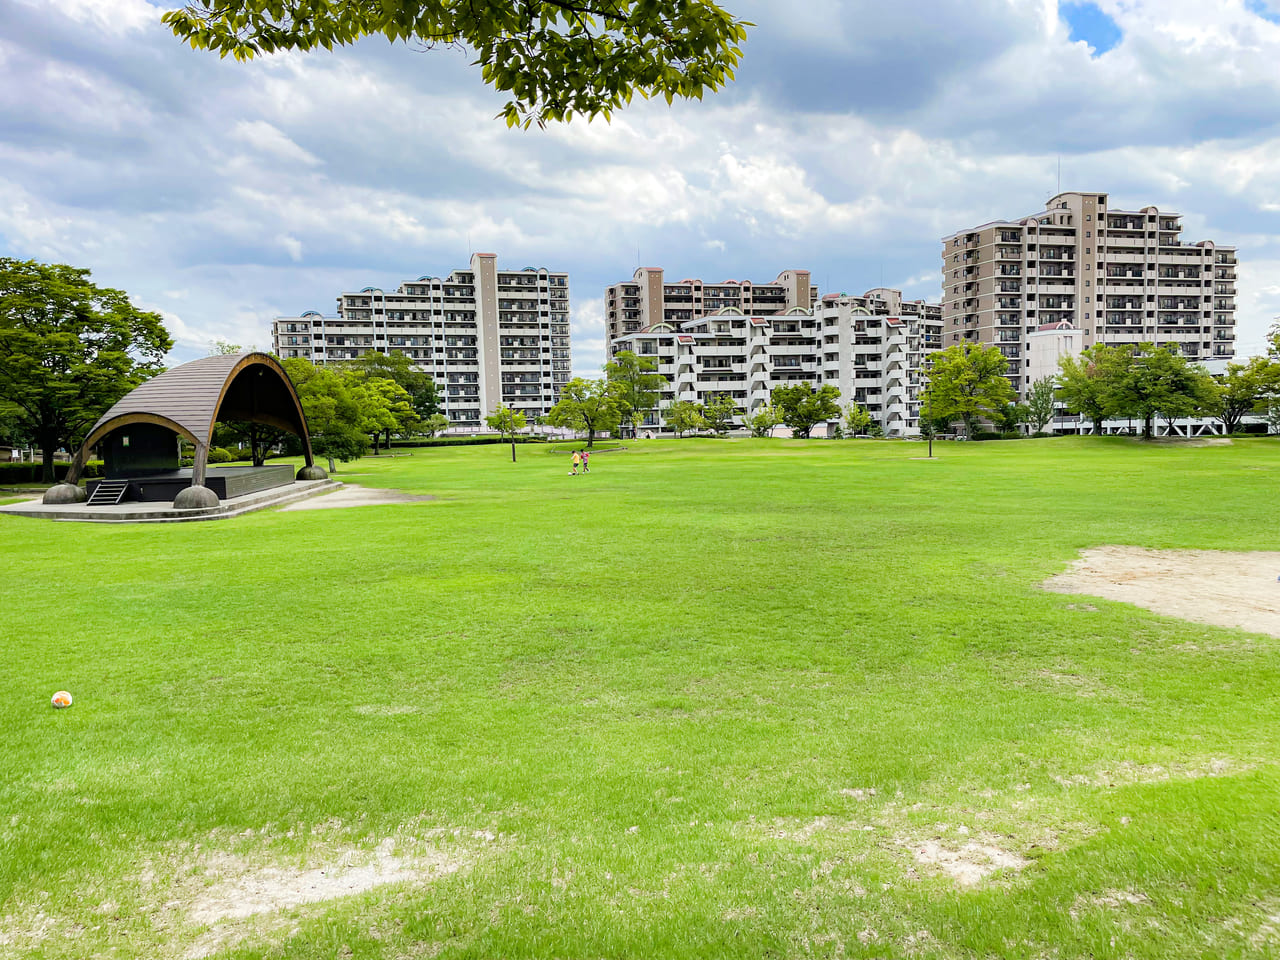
[61, 699]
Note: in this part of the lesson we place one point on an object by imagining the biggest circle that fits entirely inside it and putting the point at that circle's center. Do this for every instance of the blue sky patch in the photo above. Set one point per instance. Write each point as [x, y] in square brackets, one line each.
[1090, 24]
[1266, 10]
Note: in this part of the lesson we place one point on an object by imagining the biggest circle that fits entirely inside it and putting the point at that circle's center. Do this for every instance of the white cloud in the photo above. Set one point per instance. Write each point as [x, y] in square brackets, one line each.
[229, 193]
[264, 137]
[114, 16]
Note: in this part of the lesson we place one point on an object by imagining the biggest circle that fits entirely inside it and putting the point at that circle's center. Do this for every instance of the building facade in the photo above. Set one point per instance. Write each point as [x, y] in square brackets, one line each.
[648, 299]
[1118, 276]
[872, 348]
[486, 336]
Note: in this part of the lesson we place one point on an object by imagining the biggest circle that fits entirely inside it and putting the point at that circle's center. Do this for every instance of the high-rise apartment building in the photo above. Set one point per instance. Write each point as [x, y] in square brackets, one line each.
[872, 348]
[486, 336]
[647, 299]
[1118, 276]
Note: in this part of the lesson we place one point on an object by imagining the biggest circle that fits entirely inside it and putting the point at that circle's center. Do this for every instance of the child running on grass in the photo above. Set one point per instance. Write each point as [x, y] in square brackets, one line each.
[585, 455]
[576, 460]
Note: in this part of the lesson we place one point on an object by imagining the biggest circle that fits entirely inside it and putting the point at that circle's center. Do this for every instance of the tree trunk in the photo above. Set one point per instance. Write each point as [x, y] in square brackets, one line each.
[591, 436]
[513, 448]
[48, 441]
[1146, 427]
[376, 435]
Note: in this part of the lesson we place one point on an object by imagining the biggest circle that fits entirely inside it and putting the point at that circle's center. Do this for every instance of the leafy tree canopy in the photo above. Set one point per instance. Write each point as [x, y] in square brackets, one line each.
[1084, 382]
[801, 407]
[508, 423]
[858, 419]
[684, 416]
[556, 58]
[1244, 388]
[397, 366]
[334, 418]
[635, 384]
[435, 424]
[762, 422]
[586, 406]
[966, 382]
[1147, 381]
[68, 350]
[1040, 403]
[718, 413]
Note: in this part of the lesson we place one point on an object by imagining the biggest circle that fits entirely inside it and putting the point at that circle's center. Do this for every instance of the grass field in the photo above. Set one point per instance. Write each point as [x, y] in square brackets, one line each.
[717, 698]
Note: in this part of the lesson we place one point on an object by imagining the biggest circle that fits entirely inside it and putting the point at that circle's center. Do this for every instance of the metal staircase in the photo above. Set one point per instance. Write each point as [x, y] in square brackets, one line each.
[108, 493]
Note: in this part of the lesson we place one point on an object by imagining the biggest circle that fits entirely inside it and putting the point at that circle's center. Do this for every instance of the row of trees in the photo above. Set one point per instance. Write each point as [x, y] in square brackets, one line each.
[1141, 382]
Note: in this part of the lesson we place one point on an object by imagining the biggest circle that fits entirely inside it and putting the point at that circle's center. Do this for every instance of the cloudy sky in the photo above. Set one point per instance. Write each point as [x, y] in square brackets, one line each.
[858, 134]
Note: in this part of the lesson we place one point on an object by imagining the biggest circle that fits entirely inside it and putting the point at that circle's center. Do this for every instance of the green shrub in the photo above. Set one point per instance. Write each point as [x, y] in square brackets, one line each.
[221, 455]
[461, 441]
[1011, 435]
[13, 474]
[986, 435]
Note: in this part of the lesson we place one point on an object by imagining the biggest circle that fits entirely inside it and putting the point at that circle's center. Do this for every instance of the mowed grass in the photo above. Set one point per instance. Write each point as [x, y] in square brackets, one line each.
[712, 699]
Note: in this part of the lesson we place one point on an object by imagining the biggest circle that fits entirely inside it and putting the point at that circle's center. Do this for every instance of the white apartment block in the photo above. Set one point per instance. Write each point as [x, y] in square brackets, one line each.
[486, 336]
[1118, 276]
[872, 348]
[875, 349]
[648, 299]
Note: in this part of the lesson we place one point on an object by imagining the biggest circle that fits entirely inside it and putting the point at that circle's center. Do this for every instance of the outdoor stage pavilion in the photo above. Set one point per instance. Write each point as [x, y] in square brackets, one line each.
[138, 437]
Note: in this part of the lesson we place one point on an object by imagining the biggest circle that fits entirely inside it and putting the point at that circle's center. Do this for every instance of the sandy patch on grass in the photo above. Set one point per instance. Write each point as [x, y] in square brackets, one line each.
[385, 709]
[1126, 773]
[256, 887]
[240, 902]
[1238, 590]
[239, 893]
[969, 864]
[353, 496]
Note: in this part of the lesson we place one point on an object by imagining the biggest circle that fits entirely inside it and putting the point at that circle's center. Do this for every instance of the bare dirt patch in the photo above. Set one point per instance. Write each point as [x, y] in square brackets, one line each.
[969, 864]
[1126, 773]
[238, 893]
[353, 496]
[249, 888]
[1237, 590]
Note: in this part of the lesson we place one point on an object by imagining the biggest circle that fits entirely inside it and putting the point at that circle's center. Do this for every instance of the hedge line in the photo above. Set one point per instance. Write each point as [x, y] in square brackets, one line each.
[15, 473]
[461, 441]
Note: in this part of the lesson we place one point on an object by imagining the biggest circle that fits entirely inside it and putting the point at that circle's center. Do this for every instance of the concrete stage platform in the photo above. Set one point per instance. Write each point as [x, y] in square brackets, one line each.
[228, 482]
[135, 512]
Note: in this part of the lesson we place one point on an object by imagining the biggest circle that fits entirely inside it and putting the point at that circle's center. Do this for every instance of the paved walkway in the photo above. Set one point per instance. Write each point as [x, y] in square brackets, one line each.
[164, 512]
[350, 496]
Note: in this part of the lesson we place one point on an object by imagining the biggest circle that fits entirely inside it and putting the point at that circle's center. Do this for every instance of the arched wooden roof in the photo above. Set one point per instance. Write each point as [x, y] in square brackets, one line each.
[195, 395]
[189, 399]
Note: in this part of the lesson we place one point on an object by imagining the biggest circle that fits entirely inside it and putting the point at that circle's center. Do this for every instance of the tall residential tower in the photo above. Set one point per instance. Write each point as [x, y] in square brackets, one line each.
[1116, 276]
[486, 336]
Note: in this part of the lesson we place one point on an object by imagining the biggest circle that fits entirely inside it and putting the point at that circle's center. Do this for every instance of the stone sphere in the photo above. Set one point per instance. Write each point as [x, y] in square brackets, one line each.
[195, 497]
[65, 493]
[313, 473]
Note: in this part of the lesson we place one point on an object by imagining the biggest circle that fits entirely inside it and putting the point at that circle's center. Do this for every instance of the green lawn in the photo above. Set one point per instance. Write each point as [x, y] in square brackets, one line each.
[714, 699]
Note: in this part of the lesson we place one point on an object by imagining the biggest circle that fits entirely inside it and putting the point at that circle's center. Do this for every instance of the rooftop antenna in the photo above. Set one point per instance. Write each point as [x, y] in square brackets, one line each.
[468, 245]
